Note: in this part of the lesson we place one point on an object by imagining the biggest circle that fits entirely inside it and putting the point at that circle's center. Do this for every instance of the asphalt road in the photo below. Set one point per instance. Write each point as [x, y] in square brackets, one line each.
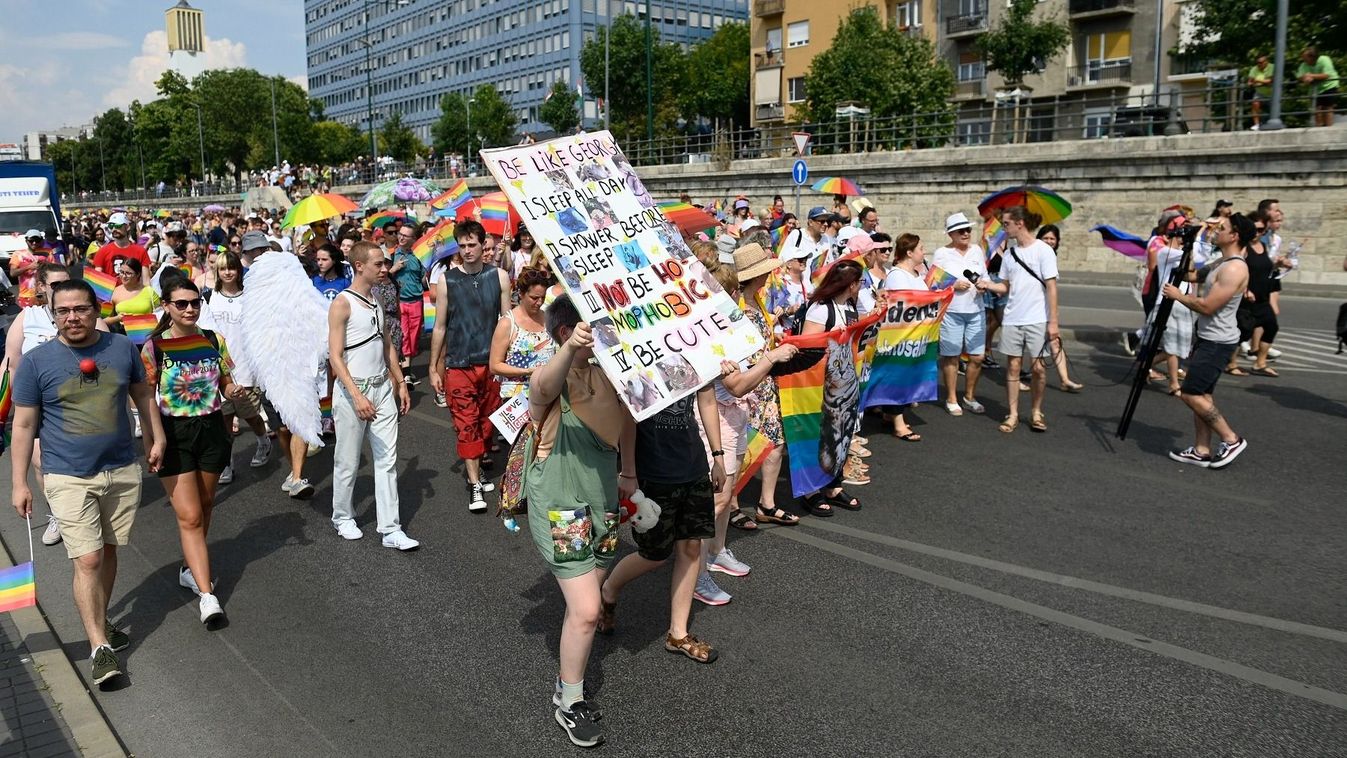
[1062, 594]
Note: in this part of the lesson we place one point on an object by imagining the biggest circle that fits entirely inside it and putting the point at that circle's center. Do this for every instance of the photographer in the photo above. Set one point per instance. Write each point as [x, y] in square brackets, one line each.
[1224, 283]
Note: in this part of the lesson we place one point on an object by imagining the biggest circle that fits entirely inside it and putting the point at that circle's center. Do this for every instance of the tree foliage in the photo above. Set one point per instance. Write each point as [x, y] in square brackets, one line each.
[1019, 45]
[558, 110]
[1237, 31]
[398, 141]
[627, 79]
[493, 118]
[884, 70]
[450, 133]
[718, 75]
[339, 143]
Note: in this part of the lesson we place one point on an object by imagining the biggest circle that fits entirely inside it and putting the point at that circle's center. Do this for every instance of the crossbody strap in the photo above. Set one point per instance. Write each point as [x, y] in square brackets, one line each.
[374, 307]
[1022, 265]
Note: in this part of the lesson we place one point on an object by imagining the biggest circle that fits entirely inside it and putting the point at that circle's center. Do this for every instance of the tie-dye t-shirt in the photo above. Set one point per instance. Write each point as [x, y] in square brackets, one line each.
[191, 374]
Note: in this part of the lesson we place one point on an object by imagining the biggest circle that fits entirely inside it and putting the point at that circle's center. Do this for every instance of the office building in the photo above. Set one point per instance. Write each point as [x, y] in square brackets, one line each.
[420, 50]
[35, 144]
[186, 29]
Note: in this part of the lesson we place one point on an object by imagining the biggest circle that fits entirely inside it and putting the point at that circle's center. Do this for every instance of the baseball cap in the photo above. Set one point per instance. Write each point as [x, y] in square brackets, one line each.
[749, 224]
[118, 219]
[175, 227]
[254, 241]
[957, 222]
[32, 233]
[861, 243]
[818, 212]
[848, 233]
[725, 245]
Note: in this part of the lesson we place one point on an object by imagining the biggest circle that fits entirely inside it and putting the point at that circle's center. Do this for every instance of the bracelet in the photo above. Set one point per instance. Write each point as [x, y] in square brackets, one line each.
[717, 453]
[626, 476]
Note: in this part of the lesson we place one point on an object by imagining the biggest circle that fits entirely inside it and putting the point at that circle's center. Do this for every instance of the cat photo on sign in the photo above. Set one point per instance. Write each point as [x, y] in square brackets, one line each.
[678, 374]
[592, 171]
[600, 213]
[631, 255]
[560, 181]
[568, 272]
[640, 392]
[605, 333]
[673, 240]
[571, 221]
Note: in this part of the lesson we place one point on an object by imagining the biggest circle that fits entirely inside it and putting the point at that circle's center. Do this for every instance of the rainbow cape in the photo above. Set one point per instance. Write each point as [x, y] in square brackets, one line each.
[756, 451]
[102, 283]
[18, 587]
[902, 358]
[938, 279]
[821, 404]
[139, 328]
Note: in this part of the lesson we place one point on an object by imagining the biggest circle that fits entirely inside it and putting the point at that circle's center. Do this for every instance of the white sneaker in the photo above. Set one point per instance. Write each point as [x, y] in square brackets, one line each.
[52, 535]
[488, 485]
[300, 488]
[726, 563]
[709, 592]
[349, 531]
[185, 579]
[227, 475]
[400, 540]
[261, 453]
[285, 485]
[1273, 353]
[312, 450]
[211, 612]
[953, 409]
[1245, 348]
[972, 406]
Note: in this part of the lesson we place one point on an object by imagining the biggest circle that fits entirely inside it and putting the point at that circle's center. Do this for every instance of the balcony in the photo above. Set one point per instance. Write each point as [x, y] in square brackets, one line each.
[765, 8]
[1099, 75]
[915, 32]
[773, 112]
[968, 24]
[768, 59]
[1082, 9]
[973, 89]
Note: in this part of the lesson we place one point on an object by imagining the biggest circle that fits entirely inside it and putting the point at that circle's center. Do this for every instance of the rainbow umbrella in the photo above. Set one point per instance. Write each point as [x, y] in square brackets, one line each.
[836, 185]
[436, 243]
[163, 213]
[316, 208]
[687, 217]
[1041, 200]
[1129, 245]
[383, 217]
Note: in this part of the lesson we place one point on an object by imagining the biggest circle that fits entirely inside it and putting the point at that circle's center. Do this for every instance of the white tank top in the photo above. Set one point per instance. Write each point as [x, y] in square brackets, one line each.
[364, 338]
[37, 327]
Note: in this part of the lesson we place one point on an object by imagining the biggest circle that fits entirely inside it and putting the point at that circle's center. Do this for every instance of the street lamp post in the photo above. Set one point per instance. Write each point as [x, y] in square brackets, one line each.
[468, 157]
[102, 169]
[201, 140]
[649, 79]
[1274, 121]
[369, 87]
[607, 40]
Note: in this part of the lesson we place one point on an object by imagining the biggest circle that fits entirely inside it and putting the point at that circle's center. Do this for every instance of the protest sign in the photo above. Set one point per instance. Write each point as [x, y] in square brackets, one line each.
[511, 417]
[662, 324]
[904, 354]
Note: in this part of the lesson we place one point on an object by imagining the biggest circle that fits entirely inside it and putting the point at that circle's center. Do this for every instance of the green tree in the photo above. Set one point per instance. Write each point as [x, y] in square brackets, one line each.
[718, 76]
[112, 136]
[338, 143]
[1237, 31]
[1019, 45]
[627, 80]
[493, 119]
[558, 110]
[883, 70]
[450, 133]
[397, 140]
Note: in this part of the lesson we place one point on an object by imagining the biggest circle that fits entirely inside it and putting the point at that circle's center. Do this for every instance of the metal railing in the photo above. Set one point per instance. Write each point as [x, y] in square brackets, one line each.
[1091, 74]
[971, 88]
[763, 8]
[769, 59]
[1076, 7]
[971, 22]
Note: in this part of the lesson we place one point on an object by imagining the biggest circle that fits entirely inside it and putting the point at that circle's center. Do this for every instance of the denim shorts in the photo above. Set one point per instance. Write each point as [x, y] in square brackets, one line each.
[963, 333]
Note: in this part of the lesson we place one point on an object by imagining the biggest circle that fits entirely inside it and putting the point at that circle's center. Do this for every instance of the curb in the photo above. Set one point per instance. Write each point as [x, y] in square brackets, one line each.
[90, 728]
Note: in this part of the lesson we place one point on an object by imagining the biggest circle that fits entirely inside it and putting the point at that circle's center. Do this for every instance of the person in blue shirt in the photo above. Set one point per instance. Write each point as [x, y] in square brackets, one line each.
[409, 275]
[331, 278]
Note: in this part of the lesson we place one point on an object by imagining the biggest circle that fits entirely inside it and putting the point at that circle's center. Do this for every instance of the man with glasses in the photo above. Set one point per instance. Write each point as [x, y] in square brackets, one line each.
[75, 388]
[807, 242]
[109, 257]
[410, 277]
[963, 330]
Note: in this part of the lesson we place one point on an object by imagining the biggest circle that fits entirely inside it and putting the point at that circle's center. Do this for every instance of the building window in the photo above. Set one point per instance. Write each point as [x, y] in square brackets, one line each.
[1107, 50]
[971, 70]
[774, 38]
[797, 34]
[975, 132]
[795, 89]
[1097, 122]
[909, 14]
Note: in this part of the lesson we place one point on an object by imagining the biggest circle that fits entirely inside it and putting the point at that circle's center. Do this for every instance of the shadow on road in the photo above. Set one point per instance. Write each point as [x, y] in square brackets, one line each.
[1297, 399]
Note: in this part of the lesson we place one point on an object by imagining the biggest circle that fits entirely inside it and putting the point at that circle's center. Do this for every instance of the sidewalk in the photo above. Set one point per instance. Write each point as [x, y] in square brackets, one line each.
[43, 704]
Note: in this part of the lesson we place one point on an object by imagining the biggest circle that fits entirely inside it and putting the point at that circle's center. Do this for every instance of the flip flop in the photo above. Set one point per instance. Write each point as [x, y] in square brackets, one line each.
[1264, 372]
[911, 436]
[1236, 371]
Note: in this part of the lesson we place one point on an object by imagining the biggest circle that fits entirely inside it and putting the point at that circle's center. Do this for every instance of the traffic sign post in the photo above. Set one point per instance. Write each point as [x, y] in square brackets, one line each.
[800, 174]
[801, 141]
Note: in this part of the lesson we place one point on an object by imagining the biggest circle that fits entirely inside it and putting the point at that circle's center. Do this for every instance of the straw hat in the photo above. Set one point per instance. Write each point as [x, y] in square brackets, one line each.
[751, 261]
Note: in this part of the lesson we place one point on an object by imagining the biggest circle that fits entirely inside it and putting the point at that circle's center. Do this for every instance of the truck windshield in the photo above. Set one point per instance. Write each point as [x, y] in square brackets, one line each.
[18, 222]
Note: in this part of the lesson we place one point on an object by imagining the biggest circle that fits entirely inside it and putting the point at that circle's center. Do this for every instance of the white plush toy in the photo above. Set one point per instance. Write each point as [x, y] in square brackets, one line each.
[641, 511]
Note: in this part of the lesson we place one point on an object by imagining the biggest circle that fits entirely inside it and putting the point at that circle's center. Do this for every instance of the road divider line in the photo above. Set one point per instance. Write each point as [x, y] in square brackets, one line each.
[1178, 604]
[1131, 639]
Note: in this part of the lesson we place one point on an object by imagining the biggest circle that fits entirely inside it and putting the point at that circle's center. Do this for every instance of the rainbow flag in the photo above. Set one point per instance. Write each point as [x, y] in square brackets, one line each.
[325, 406]
[495, 214]
[428, 312]
[993, 236]
[820, 405]
[437, 238]
[18, 587]
[139, 328]
[755, 452]
[105, 309]
[938, 279]
[903, 356]
[778, 240]
[194, 348]
[102, 283]
[445, 204]
[6, 408]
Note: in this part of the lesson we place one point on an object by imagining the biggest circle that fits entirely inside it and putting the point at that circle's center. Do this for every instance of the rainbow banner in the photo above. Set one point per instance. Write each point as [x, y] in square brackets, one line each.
[821, 405]
[102, 283]
[902, 358]
[428, 311]
[755, 452]
[939, 279]
[445, 204]
[138, 327]
[18, 587]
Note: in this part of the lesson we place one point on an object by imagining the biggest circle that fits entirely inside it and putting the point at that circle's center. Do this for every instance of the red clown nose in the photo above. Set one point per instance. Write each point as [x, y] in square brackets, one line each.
[88, 367]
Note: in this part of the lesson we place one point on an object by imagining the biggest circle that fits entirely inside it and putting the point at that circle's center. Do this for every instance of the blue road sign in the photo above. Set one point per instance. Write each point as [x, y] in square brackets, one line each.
[799, 172]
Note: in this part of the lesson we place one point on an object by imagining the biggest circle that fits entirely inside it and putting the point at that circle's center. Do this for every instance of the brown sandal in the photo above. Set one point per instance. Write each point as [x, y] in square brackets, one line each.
[691, 647]
[1009, 424]
[777, 516]
[1038, 423]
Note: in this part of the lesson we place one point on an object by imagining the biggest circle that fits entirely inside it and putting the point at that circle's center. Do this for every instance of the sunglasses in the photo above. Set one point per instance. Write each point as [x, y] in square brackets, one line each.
[182, 305]
[235, 242]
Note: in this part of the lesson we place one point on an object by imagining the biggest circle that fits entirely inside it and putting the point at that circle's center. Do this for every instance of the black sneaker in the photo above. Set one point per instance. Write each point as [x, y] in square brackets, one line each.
[1191, 456]
[1130, 342]
[106, 665]
[1226, 453]
[117, 639]
[990, 362]
[580, 723]
[476, 503]
[593, 708]
[963, 367]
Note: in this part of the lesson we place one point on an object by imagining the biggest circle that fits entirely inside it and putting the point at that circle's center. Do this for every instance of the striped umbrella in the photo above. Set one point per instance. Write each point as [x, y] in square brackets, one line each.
[1041, 200]
[687, 217]
[316, 208]
[383, 217]
[836, 185]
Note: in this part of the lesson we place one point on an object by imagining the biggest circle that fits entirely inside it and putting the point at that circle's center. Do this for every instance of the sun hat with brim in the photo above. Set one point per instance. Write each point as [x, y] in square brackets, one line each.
[957, 222]
[752, 261]
[254, 241]
[740, 203]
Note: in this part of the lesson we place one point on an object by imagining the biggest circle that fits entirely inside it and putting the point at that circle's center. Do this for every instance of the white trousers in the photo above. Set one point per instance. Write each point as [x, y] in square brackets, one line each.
[383, 440]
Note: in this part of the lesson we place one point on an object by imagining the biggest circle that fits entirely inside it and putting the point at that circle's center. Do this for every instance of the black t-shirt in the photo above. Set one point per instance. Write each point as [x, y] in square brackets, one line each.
[1262, 276]
[669, 447]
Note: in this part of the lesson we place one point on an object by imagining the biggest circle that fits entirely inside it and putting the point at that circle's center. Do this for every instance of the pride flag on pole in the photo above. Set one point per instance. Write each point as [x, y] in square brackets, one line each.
[138, 327]
[18, 587]
[993, 236]
[446, 204]
[495, 213]
[755, 452]
[938, 279]
[903, 356]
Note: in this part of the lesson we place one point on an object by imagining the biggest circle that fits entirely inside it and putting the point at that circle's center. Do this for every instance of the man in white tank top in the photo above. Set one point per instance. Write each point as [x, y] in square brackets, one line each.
[369, 397]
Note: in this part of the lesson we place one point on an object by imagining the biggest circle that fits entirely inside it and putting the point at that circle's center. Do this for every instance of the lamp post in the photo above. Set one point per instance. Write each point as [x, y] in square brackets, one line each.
[275, 135]
[102, 169]
[649, 79]
[607, 40]
[467, 158]
[1274, 121]
[201, 140]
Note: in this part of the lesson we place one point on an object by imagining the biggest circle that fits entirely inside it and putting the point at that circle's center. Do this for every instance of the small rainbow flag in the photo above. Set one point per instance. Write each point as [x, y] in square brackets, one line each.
[755, 452]
[105, 309]
[18, 587]
[325, 406]
[139, 328]
[495, 213]
[429, 248]
[6, 408]
[939, 279]
[102, 283]
[194, 348]
[428, 312]
[457, 195]
[993, 236]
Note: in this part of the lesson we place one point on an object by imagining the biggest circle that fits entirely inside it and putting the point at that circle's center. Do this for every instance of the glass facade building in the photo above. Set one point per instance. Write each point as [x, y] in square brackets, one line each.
[421, 50]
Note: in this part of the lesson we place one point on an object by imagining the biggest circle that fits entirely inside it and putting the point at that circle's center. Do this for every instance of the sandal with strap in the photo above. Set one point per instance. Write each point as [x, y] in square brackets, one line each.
[844, 499]
[692, 647]
[817, 505]
[607, 617]
[777, 516]
[741, 520]
[1038, 423]
[1009, 424]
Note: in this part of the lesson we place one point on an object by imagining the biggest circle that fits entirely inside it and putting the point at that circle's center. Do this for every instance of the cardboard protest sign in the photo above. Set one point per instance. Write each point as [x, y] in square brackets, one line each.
[662, 324]
[511, 417]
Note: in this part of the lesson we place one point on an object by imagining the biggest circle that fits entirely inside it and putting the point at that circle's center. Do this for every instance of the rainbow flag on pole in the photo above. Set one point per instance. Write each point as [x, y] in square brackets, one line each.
[755, 452]
[446, 204]
[993, 236]
[102, 283]
[495, 213]
[939, 279]
[138, 327]
[820, 405]
[903, 356]
[18, 587]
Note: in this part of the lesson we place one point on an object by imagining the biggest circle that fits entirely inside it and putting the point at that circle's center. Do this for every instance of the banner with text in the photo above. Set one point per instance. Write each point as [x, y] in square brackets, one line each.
[662, 324]
[903, 356]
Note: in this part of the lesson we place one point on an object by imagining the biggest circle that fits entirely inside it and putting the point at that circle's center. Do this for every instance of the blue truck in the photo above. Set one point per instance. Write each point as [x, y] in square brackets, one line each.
[28, 200]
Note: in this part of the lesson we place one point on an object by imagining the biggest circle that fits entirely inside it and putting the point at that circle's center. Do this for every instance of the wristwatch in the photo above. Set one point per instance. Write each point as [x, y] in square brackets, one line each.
[717, 453]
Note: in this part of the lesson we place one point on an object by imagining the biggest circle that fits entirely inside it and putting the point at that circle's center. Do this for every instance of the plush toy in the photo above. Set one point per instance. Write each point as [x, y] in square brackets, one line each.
[641, 511]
